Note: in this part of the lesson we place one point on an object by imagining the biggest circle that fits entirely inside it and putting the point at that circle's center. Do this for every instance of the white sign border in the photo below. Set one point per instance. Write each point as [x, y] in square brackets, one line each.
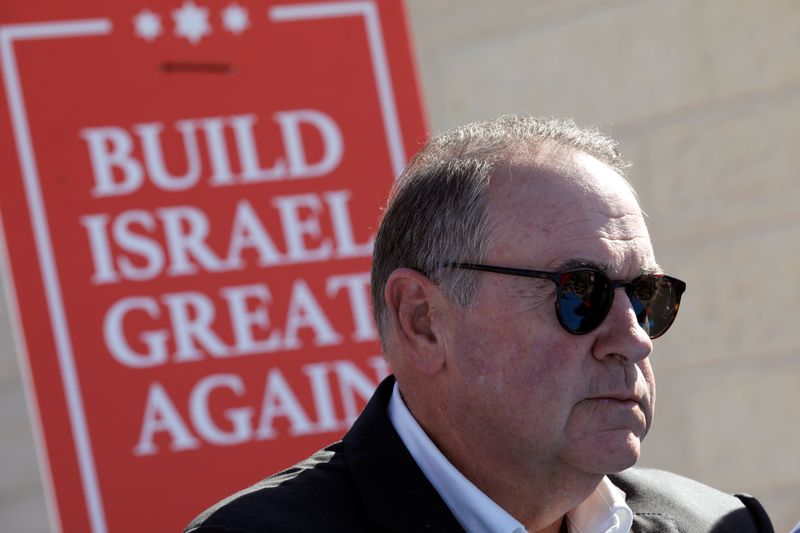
[95, 27]
[44, 249]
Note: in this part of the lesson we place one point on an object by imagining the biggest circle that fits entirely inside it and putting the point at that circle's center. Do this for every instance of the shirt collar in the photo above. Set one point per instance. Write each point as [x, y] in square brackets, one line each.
[604, 511]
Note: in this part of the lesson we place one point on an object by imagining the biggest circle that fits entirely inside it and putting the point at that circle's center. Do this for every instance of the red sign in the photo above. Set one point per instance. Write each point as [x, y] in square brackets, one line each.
[189, 197]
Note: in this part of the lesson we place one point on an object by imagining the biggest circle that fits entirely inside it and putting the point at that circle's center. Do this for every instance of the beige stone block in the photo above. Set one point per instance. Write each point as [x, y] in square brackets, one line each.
[740, 302]
[731, 424]
[17, 456]
[450, 23]
[783, 505]
[441, 28]
[22, 505]
[22, 511]
[614, 62]
[718, 173]
[9, 367]
[564, 69]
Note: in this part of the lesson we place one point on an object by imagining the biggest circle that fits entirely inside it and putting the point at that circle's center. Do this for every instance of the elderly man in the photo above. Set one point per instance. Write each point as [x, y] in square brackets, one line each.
[517, 298]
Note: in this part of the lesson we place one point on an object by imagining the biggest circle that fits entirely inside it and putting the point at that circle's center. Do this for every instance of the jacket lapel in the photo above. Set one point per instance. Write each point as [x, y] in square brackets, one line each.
[646, 518]
[396, 494]
[653, 523]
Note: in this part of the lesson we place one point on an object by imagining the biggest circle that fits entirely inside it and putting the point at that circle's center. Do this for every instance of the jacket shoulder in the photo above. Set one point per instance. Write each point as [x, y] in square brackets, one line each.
[317, 493]
[687, 505]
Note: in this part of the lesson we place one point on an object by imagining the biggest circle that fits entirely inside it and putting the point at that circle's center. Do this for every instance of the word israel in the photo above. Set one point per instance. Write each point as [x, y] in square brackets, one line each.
[214, 421]
[117, 172]
[139, 244]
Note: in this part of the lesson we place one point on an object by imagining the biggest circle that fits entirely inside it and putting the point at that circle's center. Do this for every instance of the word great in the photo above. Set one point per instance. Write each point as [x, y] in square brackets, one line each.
[190, 325]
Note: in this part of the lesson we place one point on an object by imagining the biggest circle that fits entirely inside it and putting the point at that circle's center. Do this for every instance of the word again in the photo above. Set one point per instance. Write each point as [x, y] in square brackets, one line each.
[280, 411]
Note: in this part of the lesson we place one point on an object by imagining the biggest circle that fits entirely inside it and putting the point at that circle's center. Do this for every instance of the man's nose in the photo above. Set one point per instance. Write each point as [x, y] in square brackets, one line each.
[620, 334]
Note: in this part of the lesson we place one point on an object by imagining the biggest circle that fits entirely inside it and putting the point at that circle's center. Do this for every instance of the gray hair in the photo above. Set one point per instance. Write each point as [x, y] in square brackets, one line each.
[436, 211]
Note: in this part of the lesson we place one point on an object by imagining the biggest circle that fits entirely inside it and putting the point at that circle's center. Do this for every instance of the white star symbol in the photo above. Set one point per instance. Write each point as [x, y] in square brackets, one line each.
[234, 18]
[191, 22]
[147, 25]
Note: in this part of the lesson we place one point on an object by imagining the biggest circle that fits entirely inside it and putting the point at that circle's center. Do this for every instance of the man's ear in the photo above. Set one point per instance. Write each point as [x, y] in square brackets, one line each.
[417, 312]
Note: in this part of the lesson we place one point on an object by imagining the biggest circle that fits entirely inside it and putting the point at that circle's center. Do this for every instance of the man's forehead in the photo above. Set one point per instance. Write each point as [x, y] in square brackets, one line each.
[564, 189]
[621, 259]
[578, 214]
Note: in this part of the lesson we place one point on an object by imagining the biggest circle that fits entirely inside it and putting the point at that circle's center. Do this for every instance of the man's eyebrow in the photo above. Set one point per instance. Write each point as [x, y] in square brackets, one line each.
[579, 262]
[654, 269]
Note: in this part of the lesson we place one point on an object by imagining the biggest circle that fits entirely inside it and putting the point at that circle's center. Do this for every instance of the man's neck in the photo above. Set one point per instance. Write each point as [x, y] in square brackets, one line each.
[539, 501]
[538, 495]
[559, 526]
[535, 493]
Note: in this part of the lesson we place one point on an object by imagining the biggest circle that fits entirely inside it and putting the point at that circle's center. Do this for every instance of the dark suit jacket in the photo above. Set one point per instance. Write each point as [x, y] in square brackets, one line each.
[369, 482]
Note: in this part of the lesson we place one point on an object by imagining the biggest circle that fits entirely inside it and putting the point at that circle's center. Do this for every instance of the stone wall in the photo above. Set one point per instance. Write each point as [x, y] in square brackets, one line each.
[704, 98]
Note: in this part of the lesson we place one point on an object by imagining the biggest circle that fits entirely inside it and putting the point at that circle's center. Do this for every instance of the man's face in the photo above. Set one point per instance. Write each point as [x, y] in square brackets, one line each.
[523, 389]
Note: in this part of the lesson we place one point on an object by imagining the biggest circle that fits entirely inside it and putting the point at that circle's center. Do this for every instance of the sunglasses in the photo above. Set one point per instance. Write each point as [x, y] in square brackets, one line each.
[584, 296]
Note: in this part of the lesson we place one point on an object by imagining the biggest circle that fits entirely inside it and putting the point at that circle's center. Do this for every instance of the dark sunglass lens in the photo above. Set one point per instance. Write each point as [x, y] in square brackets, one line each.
[655, 300]
[583, 300]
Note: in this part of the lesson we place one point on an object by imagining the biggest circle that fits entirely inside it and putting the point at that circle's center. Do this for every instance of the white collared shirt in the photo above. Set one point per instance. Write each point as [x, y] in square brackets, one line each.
[604, 511]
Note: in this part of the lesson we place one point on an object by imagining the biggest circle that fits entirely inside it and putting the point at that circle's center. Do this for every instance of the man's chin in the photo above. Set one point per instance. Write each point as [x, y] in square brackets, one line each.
[622, 455]
[617, 451]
